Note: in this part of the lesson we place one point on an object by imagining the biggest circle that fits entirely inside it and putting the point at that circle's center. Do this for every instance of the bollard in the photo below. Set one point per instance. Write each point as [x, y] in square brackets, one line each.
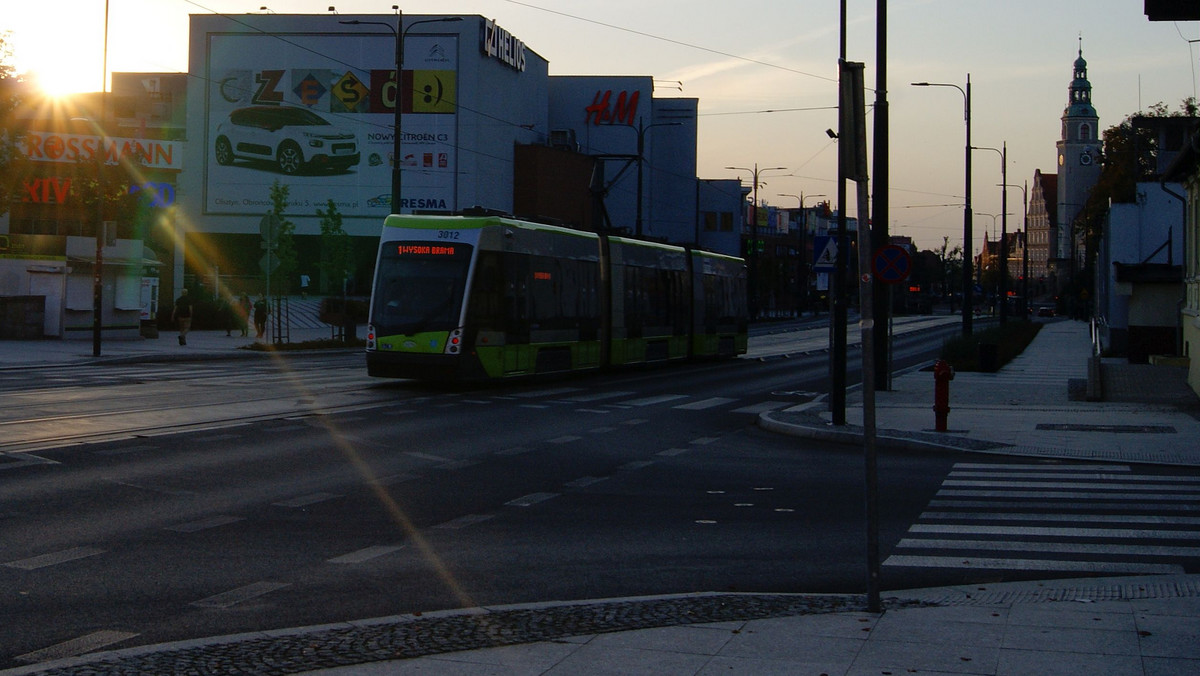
[942, 375]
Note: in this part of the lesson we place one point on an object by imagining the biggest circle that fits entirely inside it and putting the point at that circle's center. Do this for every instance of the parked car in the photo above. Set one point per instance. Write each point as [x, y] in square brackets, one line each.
[1045, 311]
[294, 139]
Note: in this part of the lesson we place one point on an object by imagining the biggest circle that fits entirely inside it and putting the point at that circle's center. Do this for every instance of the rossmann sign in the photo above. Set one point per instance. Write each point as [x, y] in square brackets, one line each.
[73, 148]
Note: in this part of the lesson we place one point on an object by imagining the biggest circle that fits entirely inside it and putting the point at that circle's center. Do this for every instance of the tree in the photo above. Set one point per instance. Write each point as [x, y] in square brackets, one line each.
[337, 253]
[12, 160]
[285, 243]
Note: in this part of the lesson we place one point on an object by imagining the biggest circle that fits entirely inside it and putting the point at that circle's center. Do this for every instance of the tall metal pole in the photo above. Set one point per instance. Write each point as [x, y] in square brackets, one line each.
[98, 268]
[882, 309]
[968, 285]
[837, 319]
[1004, 233]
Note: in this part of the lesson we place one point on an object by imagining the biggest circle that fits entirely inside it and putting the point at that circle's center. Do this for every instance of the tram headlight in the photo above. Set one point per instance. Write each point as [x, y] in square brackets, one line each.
[454, 342]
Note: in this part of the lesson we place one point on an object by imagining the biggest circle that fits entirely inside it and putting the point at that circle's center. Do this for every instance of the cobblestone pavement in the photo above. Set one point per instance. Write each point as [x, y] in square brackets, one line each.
[301, 650]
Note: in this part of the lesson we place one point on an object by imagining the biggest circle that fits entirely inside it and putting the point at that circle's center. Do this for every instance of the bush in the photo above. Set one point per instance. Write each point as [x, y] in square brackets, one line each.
[1009, 340]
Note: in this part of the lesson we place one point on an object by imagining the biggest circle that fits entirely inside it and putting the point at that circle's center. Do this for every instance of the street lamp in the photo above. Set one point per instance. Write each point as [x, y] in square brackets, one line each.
[803, 274]
[400, 32]
[1003, 152]
[1024, 248]
[753, 271]
[967, 287]
[641, 146]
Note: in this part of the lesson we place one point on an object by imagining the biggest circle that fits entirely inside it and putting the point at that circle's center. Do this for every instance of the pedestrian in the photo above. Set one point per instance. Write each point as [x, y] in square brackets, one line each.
[304, 279]
[182, 315]
[244, 310]
[261, 310]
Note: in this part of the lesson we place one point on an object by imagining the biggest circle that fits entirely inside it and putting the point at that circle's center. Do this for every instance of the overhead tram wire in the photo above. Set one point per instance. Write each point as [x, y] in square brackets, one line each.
[673, 41]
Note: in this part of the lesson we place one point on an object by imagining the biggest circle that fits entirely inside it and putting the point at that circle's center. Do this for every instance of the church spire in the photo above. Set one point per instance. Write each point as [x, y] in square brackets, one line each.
[1079, 94]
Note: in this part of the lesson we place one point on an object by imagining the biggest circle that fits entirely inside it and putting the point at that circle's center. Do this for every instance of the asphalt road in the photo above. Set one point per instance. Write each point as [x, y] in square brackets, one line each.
[148, 503]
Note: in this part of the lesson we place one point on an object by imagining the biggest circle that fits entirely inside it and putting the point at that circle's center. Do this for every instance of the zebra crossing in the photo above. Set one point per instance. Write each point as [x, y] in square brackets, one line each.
[1070, 518]
[601, 402]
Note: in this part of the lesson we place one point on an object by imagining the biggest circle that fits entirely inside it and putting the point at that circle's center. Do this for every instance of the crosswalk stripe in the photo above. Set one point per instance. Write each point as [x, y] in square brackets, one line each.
[658, 399]
[1049, 547]
[1071, 495]
[1138, 533]
[1034, 565]
[1093, 518]
[711, 402]
[1093, 485]
[1075, 504]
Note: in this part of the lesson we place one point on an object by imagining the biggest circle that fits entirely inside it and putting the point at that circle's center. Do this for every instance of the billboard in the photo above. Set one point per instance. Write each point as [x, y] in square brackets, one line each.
[316, 112]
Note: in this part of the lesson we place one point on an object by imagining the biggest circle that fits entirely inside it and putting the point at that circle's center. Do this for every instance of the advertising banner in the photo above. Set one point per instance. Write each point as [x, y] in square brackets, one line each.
[317, 113]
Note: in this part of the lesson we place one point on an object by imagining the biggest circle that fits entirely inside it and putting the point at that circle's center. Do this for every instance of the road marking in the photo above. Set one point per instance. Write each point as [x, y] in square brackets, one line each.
[366, 554]
[762, 407]
[1194, 507]
[1099, 476]
[1043, 467]
[1070, 495]
[635, 421]
[583, 482]
[705, 404]
[427, 456]
[637, 464]
[306, 500]
[464, 521]
[515, 450]
[591, 410]
[703, 441]
[239, 595]
[1050, 547]
[596, 396]
[602, 430]
[76, 646]
[1100, 485]
[673, 452]
[23, 460]
[1138, 533]
[1093, 518]
[531, 499]
[205, 524]
[563, 440]
[54, 558]
[1033, 564]
[537, 406]
[535, 394]
[650, 401]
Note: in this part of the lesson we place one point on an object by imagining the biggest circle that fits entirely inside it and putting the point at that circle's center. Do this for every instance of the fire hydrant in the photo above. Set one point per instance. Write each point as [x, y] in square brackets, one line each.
[943, 373]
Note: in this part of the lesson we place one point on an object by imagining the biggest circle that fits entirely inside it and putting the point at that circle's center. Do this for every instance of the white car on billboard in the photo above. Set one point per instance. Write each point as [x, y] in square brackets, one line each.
[294, 139]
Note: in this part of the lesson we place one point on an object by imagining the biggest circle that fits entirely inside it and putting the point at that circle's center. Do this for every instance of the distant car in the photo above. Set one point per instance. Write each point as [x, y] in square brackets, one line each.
[295, 139]
[1045, 312]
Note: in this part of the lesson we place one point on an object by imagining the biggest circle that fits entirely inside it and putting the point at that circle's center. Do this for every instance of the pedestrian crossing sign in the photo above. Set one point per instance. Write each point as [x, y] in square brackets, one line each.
[824, 253]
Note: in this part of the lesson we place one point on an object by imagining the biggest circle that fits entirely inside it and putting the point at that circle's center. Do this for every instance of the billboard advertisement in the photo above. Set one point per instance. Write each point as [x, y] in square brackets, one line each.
[316, 112]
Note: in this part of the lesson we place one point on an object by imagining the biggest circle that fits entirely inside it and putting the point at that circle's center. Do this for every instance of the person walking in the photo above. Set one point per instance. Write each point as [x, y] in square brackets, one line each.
[261, 309]
[244, 310]
[181, 314]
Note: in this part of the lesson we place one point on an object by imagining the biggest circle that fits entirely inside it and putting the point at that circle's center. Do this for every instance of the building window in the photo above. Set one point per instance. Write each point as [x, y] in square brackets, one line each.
[1085, 132]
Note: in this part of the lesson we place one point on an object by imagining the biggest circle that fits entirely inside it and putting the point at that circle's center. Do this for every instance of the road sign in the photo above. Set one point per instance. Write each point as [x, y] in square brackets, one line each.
[825, 252]
[268, 263]
[268, 227]
[891, 264]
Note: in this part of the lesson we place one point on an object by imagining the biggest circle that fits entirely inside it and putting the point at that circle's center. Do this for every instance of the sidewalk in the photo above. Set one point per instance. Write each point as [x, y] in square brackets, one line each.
[1132, 625]
[1028, 408]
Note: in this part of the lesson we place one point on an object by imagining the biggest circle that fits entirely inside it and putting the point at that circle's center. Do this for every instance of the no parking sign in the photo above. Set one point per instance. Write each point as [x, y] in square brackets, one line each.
[891, 264]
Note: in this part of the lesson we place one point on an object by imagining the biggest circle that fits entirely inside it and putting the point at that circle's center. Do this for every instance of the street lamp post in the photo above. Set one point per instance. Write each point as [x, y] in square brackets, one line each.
[1003, 152]
[753, 257]
[641, 147]
[802, 305]
[967, 285]
[1024, 248]
[399, 32]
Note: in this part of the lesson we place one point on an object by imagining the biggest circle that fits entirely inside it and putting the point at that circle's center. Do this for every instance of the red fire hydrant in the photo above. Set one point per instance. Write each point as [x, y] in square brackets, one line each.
[942, 375]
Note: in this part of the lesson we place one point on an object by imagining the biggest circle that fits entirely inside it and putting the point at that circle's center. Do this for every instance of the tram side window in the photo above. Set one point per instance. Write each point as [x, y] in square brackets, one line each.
[565, 295]
[655, 298]
[486, 307]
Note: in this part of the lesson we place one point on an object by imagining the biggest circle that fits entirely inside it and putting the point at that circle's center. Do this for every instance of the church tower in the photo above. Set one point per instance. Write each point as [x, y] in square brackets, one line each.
[1078, 167]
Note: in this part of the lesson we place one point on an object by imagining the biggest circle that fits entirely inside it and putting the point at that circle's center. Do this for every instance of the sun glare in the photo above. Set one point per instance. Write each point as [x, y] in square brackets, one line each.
[65, 78]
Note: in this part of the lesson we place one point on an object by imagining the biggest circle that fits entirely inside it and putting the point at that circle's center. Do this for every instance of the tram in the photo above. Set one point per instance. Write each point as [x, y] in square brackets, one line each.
[480, 297]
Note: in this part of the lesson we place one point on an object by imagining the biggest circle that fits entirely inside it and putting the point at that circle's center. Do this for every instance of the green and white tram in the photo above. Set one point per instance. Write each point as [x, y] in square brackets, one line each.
[481, 297]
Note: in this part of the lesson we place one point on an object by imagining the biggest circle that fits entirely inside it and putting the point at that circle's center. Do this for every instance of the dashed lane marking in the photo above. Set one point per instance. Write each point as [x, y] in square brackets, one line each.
[703, 404]
[241, 594]
[54, 558]
[464, 521]
[76, 646]
[531, 499]
[306, 500]
[205, 524]
[366, 554]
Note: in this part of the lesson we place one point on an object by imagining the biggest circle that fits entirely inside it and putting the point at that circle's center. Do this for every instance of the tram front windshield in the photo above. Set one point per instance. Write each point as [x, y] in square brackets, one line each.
[420, 287]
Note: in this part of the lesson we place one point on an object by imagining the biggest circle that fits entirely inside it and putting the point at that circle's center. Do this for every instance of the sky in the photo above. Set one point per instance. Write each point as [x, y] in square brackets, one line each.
[765, 75]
